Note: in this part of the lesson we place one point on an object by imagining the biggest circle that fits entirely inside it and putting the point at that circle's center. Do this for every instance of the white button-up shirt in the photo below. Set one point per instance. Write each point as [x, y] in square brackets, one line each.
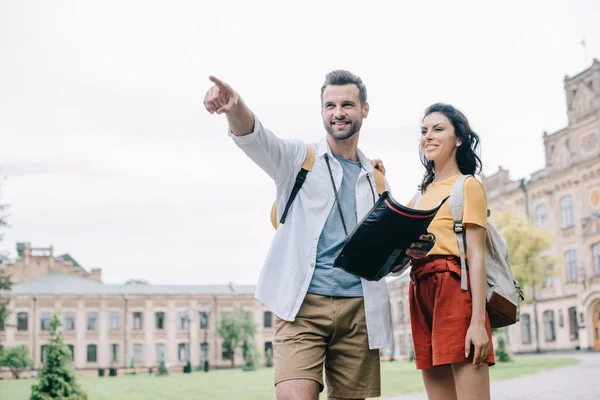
[290, 262]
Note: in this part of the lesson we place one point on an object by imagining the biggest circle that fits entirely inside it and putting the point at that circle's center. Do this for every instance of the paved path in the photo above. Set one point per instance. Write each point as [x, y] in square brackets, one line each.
[579, 382]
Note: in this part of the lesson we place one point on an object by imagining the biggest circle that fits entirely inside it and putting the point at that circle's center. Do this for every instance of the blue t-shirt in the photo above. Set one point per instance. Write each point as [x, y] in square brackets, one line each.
[329, 281]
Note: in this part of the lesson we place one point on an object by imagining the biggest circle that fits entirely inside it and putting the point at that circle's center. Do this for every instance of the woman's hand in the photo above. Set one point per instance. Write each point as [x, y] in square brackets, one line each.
[378, 164]
[420, 248]
[477, 336]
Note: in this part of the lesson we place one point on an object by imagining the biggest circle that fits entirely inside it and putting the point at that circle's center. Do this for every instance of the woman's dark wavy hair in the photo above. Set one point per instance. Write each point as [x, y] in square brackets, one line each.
[467, 159]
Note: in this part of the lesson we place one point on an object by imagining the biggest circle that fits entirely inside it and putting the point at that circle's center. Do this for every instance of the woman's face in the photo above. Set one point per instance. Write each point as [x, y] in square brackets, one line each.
[438, 141]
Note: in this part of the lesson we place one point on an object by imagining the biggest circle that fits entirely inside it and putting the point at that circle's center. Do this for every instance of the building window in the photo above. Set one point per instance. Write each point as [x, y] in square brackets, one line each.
[69, 320]
[596, 256]
[115, 320]
[525, 329]
[268, 347]
[571, 261]
[203, 315]
[400, 311]
[268, 319]
[92, 320]
[115, 354]
[548, 273]
[573, 328]
[182, 320]
[160, 320]
[226, 353]
[22, 321]
[541, 215]
[566, 211]
[44, 353]
[45, 321]
[138, 352]
[549, 326]
[183, 352]
[92, 355]
[161, 351]
[72, 350]
[137, 321]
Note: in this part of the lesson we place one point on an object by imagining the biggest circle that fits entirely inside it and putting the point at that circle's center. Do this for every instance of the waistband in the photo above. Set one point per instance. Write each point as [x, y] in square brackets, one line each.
[433, 264]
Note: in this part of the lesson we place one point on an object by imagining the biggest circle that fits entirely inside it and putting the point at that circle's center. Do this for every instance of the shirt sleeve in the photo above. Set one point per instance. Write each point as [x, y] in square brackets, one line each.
[280, 158]
[475, 203]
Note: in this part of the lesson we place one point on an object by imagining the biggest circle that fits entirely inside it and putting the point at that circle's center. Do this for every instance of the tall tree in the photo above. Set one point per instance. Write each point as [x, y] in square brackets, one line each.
[526, 245]
[56, 379]
[4, 280]
[235, 328]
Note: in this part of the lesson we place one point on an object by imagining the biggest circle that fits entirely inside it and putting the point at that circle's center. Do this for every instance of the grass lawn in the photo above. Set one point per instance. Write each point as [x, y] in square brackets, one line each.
[397, 377]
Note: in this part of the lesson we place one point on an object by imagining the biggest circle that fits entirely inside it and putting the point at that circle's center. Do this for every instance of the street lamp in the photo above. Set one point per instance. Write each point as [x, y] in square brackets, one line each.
[204, 322]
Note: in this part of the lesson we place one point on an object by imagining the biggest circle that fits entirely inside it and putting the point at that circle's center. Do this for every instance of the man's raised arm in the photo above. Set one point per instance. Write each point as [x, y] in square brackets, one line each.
[280, 158]
[222, 99]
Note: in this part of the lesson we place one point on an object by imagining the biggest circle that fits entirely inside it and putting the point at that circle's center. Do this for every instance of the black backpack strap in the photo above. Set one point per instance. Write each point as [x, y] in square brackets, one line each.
[307, 165]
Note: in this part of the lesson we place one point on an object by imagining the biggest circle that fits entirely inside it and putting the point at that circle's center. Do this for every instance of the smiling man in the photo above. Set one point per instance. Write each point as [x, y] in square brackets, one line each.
[325, 316]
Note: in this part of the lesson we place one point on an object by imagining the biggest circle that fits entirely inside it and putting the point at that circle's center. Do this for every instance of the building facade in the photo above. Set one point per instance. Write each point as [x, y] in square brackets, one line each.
[563, 199]
[122, 325]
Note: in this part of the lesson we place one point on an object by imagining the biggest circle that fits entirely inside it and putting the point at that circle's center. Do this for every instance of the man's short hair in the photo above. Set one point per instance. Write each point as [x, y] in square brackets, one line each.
[343, 77]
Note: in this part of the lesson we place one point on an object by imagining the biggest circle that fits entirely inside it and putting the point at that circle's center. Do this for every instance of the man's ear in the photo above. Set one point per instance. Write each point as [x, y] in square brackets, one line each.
[365, 110]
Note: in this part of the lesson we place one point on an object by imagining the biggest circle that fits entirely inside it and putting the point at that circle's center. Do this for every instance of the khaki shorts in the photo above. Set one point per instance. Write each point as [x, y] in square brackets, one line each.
[330, 330]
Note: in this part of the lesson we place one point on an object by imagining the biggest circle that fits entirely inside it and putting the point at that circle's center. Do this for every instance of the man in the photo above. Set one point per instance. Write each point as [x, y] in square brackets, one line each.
[324, 314]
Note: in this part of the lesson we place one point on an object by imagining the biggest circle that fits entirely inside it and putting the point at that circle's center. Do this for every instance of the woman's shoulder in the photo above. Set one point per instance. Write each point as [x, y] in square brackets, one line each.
[474, 186]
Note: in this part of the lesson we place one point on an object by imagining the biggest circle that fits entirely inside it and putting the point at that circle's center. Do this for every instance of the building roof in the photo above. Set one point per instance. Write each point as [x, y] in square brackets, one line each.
[67, 257]
[58, 283]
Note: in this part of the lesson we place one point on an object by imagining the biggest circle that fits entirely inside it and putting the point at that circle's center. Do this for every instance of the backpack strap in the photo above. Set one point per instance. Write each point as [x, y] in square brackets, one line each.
[307, 166]
[379, 181]
[457, 208]
[415, 200]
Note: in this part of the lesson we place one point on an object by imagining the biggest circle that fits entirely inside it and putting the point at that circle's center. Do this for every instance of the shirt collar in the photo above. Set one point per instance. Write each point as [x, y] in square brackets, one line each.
[323, 147]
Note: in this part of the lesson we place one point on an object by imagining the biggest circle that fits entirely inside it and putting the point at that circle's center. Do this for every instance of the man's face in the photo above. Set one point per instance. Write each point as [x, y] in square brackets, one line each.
[341, 111]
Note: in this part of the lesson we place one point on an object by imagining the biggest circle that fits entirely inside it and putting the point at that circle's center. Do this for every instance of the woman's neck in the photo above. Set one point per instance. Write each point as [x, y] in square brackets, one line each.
[446, 170]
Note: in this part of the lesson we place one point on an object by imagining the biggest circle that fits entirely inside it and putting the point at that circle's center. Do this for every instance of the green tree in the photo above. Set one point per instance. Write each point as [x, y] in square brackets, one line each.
[56, 379]
[235, 328]
[251, 355]
[501, 353]
[4, 280]
[526, 244]
[16, 359]
[162, 369]
[269, 358]
[5, 285]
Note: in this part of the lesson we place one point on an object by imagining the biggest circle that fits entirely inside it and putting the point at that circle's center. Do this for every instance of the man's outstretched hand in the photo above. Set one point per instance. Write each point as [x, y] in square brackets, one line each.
[220, 98]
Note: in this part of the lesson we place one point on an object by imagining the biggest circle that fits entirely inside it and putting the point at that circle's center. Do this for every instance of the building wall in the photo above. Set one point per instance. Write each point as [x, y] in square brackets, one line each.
[174, 334]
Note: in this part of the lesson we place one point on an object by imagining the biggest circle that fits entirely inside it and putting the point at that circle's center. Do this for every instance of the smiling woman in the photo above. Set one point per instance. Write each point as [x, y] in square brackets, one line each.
[446, 130]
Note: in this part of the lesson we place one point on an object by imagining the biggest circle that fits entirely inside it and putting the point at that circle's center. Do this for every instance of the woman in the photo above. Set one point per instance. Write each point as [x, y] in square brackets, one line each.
[450, 326]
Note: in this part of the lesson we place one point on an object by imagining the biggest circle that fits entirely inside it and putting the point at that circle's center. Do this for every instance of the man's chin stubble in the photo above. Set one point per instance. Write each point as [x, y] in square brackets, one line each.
[346, 136]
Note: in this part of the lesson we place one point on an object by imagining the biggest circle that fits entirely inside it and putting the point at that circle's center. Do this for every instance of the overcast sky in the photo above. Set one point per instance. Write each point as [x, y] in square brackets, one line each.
[109, 155]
